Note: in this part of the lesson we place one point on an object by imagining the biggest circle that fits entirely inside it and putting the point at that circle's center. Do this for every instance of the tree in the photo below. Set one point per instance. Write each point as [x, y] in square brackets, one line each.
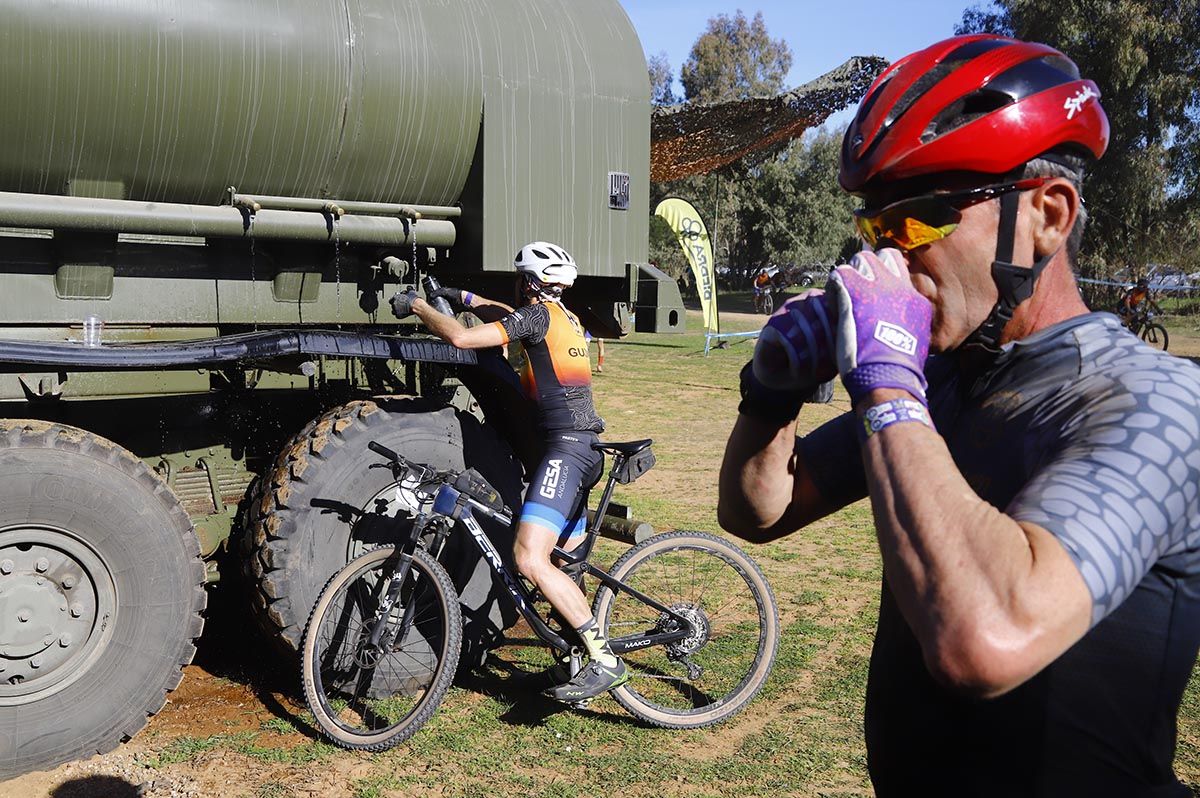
[1145, 57]
[733, 59]
[795, 211]
[786, 210]
[662, 91]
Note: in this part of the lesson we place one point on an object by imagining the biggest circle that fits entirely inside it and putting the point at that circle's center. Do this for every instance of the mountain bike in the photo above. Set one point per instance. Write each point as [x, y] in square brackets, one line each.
[1142, 324]
[692, 615]
[764, 300]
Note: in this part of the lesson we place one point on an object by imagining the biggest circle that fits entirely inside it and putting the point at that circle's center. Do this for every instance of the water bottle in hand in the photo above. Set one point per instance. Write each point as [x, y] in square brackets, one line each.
[431, 284]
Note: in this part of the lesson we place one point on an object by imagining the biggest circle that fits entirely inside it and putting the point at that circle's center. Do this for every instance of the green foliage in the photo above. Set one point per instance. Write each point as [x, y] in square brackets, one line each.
[665, 252]
[1145, 57]
[733, 59]
[795, 210]
[788, 209]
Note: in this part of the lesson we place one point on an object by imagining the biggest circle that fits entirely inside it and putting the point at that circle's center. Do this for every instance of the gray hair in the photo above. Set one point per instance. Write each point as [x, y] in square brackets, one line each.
[1072, 168]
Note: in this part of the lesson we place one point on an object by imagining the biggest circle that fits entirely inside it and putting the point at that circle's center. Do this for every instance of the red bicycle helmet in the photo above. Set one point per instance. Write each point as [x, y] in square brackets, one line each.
[978, 103]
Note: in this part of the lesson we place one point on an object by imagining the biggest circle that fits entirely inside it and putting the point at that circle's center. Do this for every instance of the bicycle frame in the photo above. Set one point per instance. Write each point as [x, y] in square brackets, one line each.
[456, 506]
[451, 503]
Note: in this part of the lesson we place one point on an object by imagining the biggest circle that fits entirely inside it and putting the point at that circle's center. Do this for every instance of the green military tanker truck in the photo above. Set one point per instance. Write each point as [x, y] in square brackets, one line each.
[204, 208]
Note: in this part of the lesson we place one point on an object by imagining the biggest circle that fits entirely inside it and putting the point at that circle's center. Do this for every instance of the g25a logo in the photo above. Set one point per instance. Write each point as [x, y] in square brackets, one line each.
[550, 479]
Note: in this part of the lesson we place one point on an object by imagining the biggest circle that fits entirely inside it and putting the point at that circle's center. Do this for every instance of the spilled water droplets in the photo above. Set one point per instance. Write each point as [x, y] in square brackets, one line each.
[253, 276]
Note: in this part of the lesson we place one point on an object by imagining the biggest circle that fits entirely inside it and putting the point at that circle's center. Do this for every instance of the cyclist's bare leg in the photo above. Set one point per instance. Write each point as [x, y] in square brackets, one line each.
[532, 552]
[604, 670]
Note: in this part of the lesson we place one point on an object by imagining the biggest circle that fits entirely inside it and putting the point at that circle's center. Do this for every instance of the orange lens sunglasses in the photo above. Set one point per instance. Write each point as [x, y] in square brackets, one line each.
[917, 221]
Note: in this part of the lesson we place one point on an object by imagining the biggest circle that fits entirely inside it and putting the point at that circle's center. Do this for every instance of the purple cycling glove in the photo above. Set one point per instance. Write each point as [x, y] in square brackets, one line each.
[883, 325]
[794, 352]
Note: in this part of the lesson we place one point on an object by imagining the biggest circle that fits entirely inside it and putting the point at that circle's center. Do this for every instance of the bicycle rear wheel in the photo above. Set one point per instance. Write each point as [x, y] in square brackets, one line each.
[1155, 335]
[713, 673]
[373, 698]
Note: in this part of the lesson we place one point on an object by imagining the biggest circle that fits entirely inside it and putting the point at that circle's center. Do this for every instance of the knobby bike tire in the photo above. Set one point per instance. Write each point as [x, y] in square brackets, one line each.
[705, 577]
[1155, 335]
[375, 707]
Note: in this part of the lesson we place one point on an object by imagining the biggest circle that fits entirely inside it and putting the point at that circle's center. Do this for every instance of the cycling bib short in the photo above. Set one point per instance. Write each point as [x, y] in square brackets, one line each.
[557, 497]
[1092, 435]
[557, 373]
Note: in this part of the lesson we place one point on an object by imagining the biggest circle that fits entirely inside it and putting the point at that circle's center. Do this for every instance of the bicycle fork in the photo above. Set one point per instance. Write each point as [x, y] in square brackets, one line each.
[391, 594]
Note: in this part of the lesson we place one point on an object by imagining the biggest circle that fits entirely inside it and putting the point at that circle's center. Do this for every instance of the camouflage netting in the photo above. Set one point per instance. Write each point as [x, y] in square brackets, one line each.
[694, 139]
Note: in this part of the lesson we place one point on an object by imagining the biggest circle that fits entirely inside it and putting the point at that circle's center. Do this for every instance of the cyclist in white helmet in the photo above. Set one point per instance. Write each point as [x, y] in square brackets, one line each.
[557, 376]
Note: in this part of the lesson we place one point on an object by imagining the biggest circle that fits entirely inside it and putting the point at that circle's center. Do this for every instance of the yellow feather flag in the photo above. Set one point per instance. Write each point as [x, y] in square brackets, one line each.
[692, 235]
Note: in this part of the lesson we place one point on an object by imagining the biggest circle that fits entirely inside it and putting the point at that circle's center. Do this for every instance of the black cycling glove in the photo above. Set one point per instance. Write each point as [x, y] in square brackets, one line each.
[402, 303]
[452, 295]
[776, 407]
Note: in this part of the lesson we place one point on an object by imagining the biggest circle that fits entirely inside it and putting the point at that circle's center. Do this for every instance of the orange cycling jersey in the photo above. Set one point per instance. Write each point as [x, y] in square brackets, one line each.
[557, 373]
[1133, 298]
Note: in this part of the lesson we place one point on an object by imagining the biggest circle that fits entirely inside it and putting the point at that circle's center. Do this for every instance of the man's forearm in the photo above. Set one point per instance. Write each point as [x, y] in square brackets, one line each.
[755, 483]
[445, 327]
[487, 310]
[991, 601]
[765, 491]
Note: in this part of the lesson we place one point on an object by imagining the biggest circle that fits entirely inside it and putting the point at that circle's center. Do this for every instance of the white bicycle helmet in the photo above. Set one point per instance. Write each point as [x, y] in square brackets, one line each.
[547, 263]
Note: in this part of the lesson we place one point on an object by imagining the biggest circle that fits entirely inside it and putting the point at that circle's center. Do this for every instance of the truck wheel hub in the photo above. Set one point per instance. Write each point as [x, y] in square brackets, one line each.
[56, 599]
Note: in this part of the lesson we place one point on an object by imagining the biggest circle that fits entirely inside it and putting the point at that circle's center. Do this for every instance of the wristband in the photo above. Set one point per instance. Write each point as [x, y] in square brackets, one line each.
[885, 414]
[467, 297]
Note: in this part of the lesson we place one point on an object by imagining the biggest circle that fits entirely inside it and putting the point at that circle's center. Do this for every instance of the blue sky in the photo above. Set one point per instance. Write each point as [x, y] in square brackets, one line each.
[821, 34]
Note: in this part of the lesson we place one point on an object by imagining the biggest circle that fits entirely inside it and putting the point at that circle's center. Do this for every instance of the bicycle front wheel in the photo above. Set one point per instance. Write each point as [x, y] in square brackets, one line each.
[1155, 335]
[714, 672]
[373, 697]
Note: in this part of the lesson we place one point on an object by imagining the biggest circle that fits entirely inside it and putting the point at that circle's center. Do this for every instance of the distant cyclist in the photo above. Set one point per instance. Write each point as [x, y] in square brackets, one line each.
[1135, 301]
[557, 376]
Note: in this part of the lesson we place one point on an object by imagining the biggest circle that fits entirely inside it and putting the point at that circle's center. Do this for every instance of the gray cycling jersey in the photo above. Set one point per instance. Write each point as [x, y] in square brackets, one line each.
[1091, 434]
[1081, 429]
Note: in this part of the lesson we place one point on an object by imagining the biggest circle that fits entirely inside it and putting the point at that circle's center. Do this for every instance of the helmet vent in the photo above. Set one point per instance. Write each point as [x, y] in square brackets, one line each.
[964, 111]
[871, 99]
[917, 90]
[976, 48]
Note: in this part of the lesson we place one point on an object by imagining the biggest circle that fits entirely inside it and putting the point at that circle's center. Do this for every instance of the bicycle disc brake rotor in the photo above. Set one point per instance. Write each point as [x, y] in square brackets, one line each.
[367, 656]
[694, 641]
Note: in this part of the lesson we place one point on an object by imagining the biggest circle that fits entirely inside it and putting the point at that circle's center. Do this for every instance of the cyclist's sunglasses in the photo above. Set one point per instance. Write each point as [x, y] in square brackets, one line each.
[917, 221]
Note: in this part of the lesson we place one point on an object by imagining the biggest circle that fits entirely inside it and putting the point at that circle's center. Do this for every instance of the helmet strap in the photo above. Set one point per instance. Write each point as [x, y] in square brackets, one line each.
[1014, 283]
[534, 288]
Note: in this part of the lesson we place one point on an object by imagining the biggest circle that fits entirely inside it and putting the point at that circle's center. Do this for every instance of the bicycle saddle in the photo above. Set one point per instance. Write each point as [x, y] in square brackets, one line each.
[628, 449]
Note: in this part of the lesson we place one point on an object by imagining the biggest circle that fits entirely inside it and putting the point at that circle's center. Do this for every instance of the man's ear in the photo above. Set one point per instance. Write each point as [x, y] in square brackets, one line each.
[1055, 208]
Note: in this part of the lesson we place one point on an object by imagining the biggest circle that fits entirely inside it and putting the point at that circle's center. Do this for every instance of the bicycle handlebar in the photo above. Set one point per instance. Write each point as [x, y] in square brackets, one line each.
[380, 449]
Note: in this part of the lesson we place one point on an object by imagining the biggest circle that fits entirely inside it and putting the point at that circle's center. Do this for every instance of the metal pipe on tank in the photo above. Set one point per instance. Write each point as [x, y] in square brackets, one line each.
[352, 207]
[51, 212]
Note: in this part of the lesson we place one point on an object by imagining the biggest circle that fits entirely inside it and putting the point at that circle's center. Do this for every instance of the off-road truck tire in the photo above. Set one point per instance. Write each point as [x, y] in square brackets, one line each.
[101, 594]
[320, 504]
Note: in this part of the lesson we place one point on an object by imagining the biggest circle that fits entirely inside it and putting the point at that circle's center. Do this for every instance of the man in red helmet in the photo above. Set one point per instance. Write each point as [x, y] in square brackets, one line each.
[1034, 483]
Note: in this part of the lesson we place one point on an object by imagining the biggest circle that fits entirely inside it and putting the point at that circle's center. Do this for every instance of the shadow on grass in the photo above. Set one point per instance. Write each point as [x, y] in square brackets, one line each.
[521, 689]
